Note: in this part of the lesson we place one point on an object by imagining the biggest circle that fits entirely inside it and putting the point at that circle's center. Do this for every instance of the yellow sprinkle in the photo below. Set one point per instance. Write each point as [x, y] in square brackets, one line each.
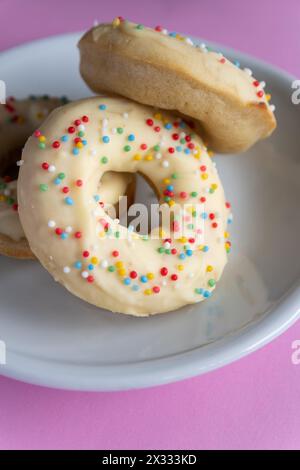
[191, 209]
[161, 233]
[119, 264]
[94, 260]
[102, 234]
[268, 97]
[204, 176]
[150, 276]
[166, 180]
[137, 156]
[226, 234]
[210, 153]
[183, 240]
[116, 22]
[42, 138]
[122, 272]
[157, 116]
[214, 186]
[200, 247]
[79, 145]
[209, 269]
[197, 155]
[2, 198]
[149, 157]
[171, 203]
[180, 267]
[148, 292]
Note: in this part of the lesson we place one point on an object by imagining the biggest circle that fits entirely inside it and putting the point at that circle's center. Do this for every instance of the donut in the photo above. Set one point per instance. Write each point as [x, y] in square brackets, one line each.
[165, 69]
[93, 255]
[18, 120]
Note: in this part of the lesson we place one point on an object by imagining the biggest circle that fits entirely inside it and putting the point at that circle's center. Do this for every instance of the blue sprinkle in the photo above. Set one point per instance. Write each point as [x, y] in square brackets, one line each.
[237, 64]
[206, 294]
[198, 290]
[102, 107]
[130, 228]
[57, 181]
[168, 125]
[179, 148]
[105, 139]
[84, 142]
[170, 187]
[135, 287]
[64, 236]
[182, 124]
[189, 252]
[182, 256]
[90, 267]
[75, 151]
[187, 151]
[205, 248]
[127, 281]
[173, 34]
[64, 138]
[69, 201]
[204, 215]
[229, 221]
[144, 279]
[97, 198]
[78, 265]
[131, 137]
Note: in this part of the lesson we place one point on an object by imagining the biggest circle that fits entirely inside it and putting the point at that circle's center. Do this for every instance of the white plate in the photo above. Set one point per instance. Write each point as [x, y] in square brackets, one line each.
[54, 339]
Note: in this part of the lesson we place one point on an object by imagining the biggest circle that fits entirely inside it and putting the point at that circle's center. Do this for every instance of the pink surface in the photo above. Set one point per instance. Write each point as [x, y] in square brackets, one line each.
[253, 403]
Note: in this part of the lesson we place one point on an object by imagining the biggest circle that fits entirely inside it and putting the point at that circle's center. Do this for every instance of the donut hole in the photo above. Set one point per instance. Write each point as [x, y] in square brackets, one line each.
[9, 168]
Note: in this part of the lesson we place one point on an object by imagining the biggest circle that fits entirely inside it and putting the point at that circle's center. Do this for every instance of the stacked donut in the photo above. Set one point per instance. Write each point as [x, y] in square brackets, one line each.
[163, 101]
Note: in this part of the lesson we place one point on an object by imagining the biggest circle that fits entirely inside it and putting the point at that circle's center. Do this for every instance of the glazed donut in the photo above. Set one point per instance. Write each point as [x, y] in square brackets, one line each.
[169, 71]
[93, 255]
[18, 120]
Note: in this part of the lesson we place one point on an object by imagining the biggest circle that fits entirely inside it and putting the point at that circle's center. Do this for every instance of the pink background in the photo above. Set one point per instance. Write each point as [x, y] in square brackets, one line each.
[253, 403]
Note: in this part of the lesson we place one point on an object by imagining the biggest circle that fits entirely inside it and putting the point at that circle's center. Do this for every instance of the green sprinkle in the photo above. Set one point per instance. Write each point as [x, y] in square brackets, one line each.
[161, 249]
[80, 134]
[104, 160]
[194, 213]
[139, 26]
[120, 130]
[111, 269]
[211, 282]
[10, 201]
[174, 176]
[117, 234]
[156, 148]
[211, 190]
[3, 185]
[182, 141]
[194, 194]
[43, 187]
[167, 198]
[61, 176]
[42, 145]
[127, 148]
[190, 226]
[167, 251]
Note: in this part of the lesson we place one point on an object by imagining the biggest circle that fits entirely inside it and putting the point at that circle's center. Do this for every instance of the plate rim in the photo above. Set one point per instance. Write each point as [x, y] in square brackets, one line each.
[179, 366]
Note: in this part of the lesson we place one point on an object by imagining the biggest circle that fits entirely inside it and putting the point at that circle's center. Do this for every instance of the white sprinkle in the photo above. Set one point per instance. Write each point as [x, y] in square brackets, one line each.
[164, 283]
[114, 131]
[263, 84]
[189, 41]
[182, 135]
[158, 156]
[6, 192]
[164, 31]
[81, 127]
[95, 23]
[191, 275]
[167, 245]
[104, 264]
[84, 274]
[248, 71]
[93, 152]
[125, 115]
[104, 123]
[165, 164]
[69, 229]
[20, 162]
[51, 169]
[272, 107]
[67, 270]
[203, 45]
[51, 223]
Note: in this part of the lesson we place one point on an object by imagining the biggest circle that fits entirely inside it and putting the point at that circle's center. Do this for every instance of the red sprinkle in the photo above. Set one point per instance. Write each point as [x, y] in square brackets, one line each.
[133, 274]
[256, 83]
[58, 231]
[56, 144]
[203, 168]
[45, 166]
[71, 130]
[214, 225]
[174, 251]
[86, 254]
[37, 133]
[164, 271]
[211, 216]
[78, 234]
[171, 149]
[157, 128]
[202, 199]
[65, 189]
[183, 194]
[77, 122]
[175, 136]
[143, 146]
[174, 277]
[79, 183]
[156, 289]
[227, 204]
[260, 94]
[149, 122]
[188, 138]
[15, 207]
[158, 29]
[90, 279]
[115, 253]
[85, 118]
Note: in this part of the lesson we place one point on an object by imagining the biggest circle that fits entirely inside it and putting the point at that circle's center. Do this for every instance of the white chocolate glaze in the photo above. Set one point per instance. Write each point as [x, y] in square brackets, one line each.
[92, 255]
